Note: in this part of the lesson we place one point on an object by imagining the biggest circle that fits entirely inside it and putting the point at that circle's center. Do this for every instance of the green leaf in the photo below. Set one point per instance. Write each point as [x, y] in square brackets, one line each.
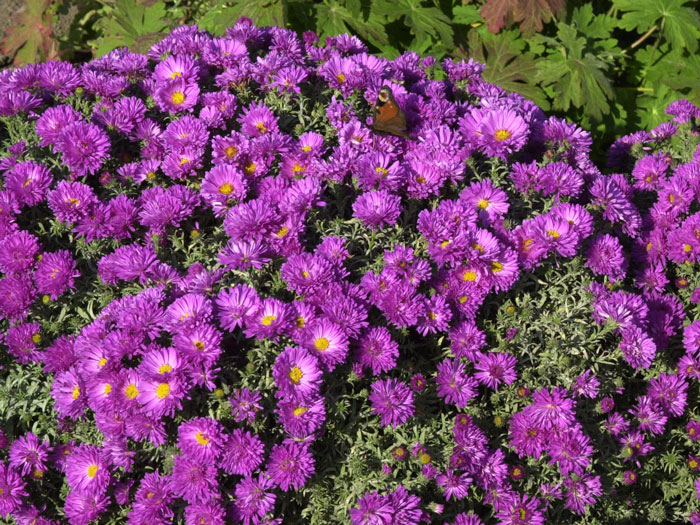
[336, 19]
[466, 15]
[131, 24]
[28, 38]
[422, 21]
[680, 25]
[507, 63]
[577, 71]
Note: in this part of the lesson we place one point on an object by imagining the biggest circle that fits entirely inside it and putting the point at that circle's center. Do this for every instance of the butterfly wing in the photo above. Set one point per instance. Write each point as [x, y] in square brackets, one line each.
[389, 118]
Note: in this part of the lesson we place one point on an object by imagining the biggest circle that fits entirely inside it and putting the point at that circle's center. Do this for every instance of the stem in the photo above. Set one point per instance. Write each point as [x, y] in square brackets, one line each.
[642, 38]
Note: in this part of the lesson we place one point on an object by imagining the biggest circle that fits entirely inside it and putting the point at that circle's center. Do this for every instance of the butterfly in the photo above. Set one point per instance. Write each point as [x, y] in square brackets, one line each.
[388, 116]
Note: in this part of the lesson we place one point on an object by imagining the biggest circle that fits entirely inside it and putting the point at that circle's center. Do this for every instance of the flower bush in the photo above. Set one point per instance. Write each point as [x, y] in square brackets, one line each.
[226, 299]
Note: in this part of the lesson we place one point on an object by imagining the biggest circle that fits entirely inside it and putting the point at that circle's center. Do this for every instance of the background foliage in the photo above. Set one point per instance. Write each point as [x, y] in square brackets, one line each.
[611, 66]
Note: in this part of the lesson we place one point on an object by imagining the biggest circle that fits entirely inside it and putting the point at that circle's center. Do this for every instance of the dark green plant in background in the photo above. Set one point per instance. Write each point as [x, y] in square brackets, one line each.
[611, 66]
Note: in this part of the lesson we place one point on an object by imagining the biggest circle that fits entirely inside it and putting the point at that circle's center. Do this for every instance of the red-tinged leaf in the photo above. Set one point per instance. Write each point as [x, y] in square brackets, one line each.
[28, 38]
[532, 14]
[495, 13]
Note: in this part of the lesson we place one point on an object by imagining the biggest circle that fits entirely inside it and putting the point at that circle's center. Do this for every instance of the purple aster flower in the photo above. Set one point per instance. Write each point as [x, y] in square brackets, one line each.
[520, 509]
[455, 485]
[495, 368]
[392, 400]
[372, 509]
[586, 385]
[12, 490]
[571, 449]
[290, 464]
[375, 209]
[68, 391]
[222, 187]
[242, 453]
[152, 500]
[270, 320]
[235, 305]
[467, 340]
[176, 95]
[327, 341]
[199, 345]
[84, 147]
[55, 273]
[650, 171]
[22, 340]
[670, 391]
[693, 430]
[489, 202]
[28, 455]
[193, 480]
[252, 499]
[28, 181]
[245, 404]
[526, 437]
[637, 347]
[162, 396]
[257, 120]
[454, 385]
[302, 418]
[605, 257]
[297, 373]
[52, 122]
[552, 408]
[81, 508]
[18, 252]
[436, 315]
[71, 201]
[377, 351]
[210, 513]
[581, 492]
[502, 132]
[87, 470]
[201, 439]
[649, 414]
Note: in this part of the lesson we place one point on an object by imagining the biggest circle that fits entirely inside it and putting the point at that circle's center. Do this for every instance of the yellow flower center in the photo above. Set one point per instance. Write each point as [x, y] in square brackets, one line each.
[226, 189]
[321, 344]
[463, 299]
[92, 471]
[36, 338]
[268, 320]
[671, 198]
[687, 248]
[420, 179]
[151, 175]
[523, 513]
[76, 392]
[27, 183]
[693, 464]
[177, 98]
[231, 152]
[199, 345]
[162, 390]
[295, 375]
[175, 74]
[382, 172]
[250, 168]
[298, 411]
[482, 204]
[554, 234]
[496, 267]
[201, 439]
[469, 275]
[108, 389]
[131, 391]
[301, 323]
[282, 232]
[341, 78]
[306, 148]
[425, 458]
[165, 368]
[183, 161]
[502, 134]
[298, 168]
[527, 244]
[445, 244]
[517, 471]
[261, 127]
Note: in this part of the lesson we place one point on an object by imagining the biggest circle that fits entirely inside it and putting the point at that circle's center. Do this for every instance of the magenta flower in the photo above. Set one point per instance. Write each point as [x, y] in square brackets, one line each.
[392, 400]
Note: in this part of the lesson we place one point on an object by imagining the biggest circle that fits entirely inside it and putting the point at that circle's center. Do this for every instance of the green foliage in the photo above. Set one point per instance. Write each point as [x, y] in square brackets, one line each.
[28, 37]
[130, 23]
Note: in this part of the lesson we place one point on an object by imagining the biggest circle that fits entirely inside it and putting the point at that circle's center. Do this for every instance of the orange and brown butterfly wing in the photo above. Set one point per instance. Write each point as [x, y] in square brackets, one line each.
[389, 118]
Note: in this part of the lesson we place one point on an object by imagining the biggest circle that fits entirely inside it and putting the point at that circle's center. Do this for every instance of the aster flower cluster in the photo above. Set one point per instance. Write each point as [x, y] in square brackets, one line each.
[260, 309]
